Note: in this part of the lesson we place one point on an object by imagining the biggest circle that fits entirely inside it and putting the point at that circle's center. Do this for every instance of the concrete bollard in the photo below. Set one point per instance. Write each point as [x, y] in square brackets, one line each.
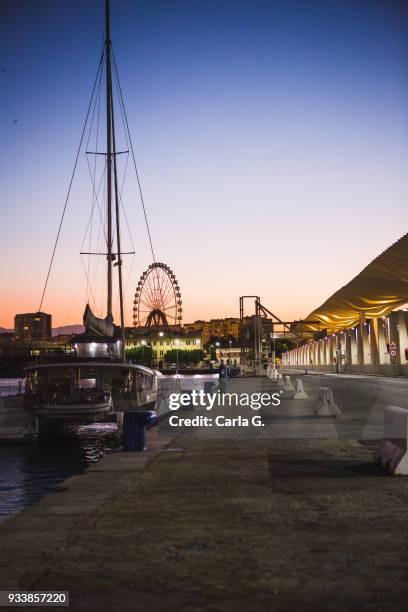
[190, 405]
[326, 406]
[300, 392]
[271, 372]
[393, 454]
[119, 421]
[161, 406]
[280, 380]
[135, 423]
[288, 385]
[209, 387]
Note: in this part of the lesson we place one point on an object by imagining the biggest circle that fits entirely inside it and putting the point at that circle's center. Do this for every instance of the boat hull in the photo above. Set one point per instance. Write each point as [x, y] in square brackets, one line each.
[72, 414]
[77, 413]
[17, 423]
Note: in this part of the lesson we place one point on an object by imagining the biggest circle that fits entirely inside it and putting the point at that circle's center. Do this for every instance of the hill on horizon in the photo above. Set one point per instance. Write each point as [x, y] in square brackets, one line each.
[68, 329]
[63, 329]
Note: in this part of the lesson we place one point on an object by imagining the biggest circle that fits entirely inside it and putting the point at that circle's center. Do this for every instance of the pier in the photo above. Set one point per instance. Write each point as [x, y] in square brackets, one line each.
[204, 310]
[215, 518]
[222, 523]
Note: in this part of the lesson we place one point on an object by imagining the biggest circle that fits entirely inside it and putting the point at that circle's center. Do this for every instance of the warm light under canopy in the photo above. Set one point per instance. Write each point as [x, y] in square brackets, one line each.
[380, 287]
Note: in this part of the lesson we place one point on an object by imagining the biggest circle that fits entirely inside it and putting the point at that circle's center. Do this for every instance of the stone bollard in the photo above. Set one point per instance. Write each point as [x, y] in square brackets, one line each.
[326, 406]
[300, 392]
[280, 380]
[190, 404]
[161, 406]
[209, 387]
[288, 385]
[271, 372]
[135, 423]
[393, 454]
[119, 421]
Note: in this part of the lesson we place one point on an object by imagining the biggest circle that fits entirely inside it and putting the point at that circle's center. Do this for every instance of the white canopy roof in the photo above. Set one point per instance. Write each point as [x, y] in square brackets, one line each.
[380, 287]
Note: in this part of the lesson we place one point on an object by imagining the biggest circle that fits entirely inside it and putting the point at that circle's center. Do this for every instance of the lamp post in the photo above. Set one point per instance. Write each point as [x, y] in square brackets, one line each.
[160, 336]
[274, 349]
[177, 343]
[263, 342]
[143, 351]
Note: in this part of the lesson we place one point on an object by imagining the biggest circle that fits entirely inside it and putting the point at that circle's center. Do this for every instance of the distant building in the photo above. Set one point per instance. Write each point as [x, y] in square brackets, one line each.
[197, 326]
[33, 325]
[230, 356]
[162, 340]
[219, 328]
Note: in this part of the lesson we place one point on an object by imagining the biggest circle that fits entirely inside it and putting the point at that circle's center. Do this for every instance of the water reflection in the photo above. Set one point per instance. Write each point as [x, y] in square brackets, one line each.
[28, 472]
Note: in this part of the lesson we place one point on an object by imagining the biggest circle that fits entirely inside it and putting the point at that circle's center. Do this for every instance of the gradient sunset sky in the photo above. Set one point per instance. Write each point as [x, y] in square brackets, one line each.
[271, 139]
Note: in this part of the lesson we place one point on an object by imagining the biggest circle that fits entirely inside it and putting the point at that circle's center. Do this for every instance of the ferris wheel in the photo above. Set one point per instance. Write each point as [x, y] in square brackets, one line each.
[157, 299]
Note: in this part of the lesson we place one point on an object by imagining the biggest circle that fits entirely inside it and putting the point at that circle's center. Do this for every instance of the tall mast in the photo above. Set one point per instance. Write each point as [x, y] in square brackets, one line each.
[117, 217]
[109, 152]
[111, 156]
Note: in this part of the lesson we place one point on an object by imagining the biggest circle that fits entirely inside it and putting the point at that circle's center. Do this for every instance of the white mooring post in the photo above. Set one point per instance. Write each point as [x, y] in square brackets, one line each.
[393, 454]
[326, 406]
[288, 385]
[119, 422]
[271, 372]
[300, 392]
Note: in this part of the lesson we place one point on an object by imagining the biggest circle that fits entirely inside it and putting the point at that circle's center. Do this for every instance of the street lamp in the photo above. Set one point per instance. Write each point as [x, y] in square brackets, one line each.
[217, 344]
[274, 349]
[177, 343]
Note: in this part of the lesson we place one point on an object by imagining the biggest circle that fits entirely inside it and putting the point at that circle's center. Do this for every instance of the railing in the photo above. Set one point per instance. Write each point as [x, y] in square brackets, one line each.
[8, 389]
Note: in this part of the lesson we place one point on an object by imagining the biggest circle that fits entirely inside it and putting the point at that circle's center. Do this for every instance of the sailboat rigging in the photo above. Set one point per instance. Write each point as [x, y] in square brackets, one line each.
[90, 321]
[97, 382]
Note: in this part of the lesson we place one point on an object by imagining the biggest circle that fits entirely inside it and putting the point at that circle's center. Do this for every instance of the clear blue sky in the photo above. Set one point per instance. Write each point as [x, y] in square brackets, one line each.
[271, 139]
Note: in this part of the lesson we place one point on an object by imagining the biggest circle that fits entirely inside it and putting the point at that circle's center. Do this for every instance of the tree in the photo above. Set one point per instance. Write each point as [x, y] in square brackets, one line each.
[194, 357]
[141, 355]
[183, 358]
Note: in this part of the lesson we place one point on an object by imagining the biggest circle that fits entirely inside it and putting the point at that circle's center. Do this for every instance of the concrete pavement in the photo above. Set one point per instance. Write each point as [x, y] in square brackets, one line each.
[219, 524]
[225, 522]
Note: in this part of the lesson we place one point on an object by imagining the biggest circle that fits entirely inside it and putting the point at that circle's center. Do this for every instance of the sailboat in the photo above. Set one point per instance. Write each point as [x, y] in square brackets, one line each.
[98, 382]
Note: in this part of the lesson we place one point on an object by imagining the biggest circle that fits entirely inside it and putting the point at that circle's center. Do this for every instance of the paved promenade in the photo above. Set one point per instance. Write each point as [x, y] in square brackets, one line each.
[220, 525]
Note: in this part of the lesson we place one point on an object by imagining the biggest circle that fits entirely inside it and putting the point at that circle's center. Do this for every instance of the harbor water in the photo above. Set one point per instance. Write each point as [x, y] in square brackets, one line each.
[30, 471]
